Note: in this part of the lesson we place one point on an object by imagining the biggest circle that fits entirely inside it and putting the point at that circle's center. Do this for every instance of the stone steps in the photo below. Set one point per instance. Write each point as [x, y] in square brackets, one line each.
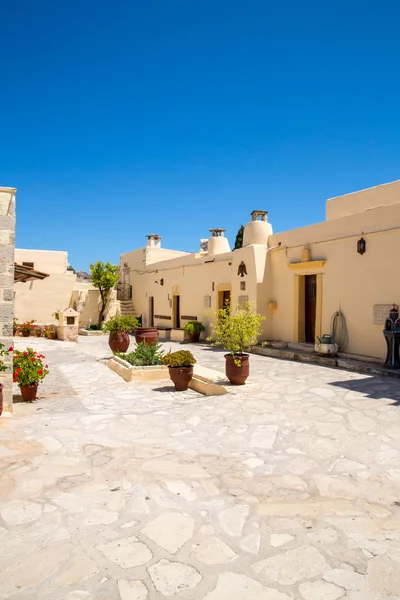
[127, 308]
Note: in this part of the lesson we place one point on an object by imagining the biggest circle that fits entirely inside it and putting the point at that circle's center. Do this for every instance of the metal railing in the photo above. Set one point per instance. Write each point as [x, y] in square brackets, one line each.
[124, 291]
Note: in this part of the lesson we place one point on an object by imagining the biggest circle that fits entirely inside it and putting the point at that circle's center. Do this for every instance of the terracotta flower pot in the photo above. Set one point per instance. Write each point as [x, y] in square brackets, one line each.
[52, 335]
[28, 392]
[119, 342]
[146, 334]
[181, 377]
[1, 397]
[237, 374]
[194, 337]
[26, 332]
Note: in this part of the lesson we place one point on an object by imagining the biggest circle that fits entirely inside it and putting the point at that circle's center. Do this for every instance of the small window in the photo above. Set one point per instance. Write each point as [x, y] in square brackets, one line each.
[28, 264]
[70, 320]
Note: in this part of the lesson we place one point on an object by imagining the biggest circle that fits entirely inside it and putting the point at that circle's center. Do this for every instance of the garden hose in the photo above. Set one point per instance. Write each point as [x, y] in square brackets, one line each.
[339, 331]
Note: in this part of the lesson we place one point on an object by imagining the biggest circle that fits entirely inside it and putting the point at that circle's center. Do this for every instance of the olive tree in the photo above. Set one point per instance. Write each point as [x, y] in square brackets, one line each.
[104, 277]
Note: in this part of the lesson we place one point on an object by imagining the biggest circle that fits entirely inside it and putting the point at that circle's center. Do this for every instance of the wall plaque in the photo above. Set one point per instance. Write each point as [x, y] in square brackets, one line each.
[188, 318]
[242, 271]
[166, 317]
[207, 301]
[242, 300]
[380, 313]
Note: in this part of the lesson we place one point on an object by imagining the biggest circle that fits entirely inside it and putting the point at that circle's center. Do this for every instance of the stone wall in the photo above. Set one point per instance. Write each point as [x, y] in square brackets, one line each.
[7, 244]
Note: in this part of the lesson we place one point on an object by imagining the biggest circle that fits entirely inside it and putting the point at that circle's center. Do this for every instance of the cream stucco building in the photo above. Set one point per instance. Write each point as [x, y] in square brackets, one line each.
[39, 300]
[341, 273]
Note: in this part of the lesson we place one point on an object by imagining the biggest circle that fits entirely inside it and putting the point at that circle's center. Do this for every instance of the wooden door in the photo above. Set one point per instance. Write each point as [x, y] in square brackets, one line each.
[151, 311]
[177, 311]
[310, 306]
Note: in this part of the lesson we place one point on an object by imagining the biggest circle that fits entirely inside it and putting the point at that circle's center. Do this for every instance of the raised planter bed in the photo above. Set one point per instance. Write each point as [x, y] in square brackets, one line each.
[131, 373]
[205, 381]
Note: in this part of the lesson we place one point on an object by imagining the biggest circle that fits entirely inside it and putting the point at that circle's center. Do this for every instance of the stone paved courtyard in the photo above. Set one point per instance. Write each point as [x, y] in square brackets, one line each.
[287, 488]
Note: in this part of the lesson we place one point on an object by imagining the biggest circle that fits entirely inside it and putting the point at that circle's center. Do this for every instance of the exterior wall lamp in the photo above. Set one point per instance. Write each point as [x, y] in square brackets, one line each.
[361, 246]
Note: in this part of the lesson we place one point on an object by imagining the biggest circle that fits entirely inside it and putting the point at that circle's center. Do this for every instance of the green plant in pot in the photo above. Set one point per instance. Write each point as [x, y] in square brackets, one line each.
[194, 329]
[235, 328]
[180, 365]
[29, 370]
[15, 326]
[119, 329]
[3, 367]
[50, 332]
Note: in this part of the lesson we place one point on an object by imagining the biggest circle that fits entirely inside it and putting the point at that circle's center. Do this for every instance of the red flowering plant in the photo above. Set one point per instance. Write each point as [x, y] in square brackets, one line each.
[29, 368]
[5, 353]
[27, 326]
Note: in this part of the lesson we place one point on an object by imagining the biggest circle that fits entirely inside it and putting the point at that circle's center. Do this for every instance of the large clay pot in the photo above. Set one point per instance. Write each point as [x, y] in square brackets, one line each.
[194, 337]
[26, 332]
[237, 374]
[1, 397]
[119, 342]
[52, 335]
[146, 334]
[181, 377]
[28, 392]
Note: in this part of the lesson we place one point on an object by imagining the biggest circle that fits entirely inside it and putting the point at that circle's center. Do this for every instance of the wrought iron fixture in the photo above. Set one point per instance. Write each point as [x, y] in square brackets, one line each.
[361, 246]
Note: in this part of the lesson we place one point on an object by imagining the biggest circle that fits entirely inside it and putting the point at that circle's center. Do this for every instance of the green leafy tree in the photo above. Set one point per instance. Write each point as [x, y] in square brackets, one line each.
[235, 327]
[104, 277]
[239, 238]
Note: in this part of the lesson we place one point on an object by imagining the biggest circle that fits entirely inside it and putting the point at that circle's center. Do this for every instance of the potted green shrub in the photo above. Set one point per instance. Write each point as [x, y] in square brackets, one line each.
[235, 328]
[194, 329]
[29, 370]
[3, 367]
[119, 329]
[180, 366]
[15, 326]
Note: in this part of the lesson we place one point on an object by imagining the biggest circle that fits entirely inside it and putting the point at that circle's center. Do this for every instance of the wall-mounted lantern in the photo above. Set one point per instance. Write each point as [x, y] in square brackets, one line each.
[161, 281]
[213, 286]
[361, 246]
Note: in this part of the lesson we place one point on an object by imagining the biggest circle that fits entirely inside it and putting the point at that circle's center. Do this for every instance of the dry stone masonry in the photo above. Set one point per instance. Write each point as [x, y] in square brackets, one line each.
[7, 244]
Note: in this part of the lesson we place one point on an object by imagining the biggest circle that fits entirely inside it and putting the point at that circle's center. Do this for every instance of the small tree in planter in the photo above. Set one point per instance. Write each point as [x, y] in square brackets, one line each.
[119, 329]
[3, 367]
[180, 365]
[104, 277]
[29, 370]
[194, 329]
[236, 328]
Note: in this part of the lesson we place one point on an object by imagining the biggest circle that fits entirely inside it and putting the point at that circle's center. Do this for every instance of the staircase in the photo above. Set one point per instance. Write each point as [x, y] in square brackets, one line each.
[127, 308]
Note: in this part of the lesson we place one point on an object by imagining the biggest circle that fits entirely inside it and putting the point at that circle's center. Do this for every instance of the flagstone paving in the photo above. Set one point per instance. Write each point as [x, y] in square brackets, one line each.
[286, 488]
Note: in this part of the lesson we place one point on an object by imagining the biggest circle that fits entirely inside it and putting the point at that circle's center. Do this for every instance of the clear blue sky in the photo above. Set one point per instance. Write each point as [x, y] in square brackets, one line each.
[124, 118]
